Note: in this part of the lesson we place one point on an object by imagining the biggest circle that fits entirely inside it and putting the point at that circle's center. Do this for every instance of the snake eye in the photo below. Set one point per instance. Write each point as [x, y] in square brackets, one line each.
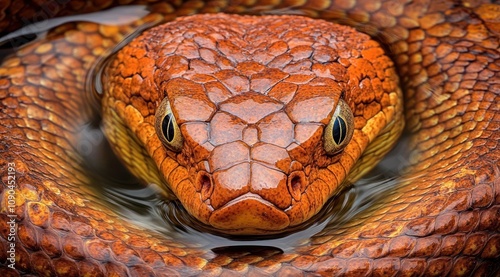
[166, 128]
[339, 131]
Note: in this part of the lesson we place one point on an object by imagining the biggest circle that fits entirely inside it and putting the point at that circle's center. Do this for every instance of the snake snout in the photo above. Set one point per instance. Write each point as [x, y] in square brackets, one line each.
[248, 213]
[247, 196]
[249, 177]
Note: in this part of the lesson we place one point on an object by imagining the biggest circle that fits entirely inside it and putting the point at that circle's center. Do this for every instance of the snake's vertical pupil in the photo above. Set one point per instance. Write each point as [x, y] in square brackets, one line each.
[339, 131]
[168, 127]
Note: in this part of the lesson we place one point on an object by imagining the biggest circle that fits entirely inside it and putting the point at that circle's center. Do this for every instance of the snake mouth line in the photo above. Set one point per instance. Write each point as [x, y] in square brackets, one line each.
[247, 196]
[249, 212]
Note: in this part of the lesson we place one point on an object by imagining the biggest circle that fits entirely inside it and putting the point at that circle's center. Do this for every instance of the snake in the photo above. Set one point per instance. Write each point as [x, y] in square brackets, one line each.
[220, 108]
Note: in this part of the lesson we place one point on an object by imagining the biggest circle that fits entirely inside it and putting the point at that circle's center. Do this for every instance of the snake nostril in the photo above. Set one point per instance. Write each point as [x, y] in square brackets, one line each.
[296, 184]
[206, 186]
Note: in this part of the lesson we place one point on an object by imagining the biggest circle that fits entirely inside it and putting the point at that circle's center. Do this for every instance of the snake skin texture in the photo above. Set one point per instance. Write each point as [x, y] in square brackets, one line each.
[442, 219]
[253, 117]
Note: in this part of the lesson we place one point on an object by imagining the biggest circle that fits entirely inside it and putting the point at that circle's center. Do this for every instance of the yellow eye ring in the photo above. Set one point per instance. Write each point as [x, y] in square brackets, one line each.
[338, 132]
[166, 127]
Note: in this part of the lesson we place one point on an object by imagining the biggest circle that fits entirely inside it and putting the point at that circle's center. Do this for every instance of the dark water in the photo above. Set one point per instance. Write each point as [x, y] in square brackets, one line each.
[143, 205]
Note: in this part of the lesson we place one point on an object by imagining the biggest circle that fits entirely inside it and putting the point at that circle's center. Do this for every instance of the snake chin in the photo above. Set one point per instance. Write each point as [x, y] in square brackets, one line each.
[249, 214]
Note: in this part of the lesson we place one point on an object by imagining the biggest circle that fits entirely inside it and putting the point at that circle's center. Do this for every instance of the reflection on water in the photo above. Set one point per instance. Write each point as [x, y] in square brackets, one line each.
[143, 205]
[115, 16]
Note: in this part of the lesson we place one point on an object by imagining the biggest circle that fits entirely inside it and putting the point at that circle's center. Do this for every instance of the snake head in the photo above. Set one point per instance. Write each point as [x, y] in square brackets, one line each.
[253, 125]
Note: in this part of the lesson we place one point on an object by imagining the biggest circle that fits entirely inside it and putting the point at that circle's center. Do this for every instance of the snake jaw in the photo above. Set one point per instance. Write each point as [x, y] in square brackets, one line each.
[248, 214]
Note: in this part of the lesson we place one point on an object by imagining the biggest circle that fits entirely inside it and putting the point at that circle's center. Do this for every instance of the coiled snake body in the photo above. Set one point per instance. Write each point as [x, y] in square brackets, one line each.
[441, 219]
